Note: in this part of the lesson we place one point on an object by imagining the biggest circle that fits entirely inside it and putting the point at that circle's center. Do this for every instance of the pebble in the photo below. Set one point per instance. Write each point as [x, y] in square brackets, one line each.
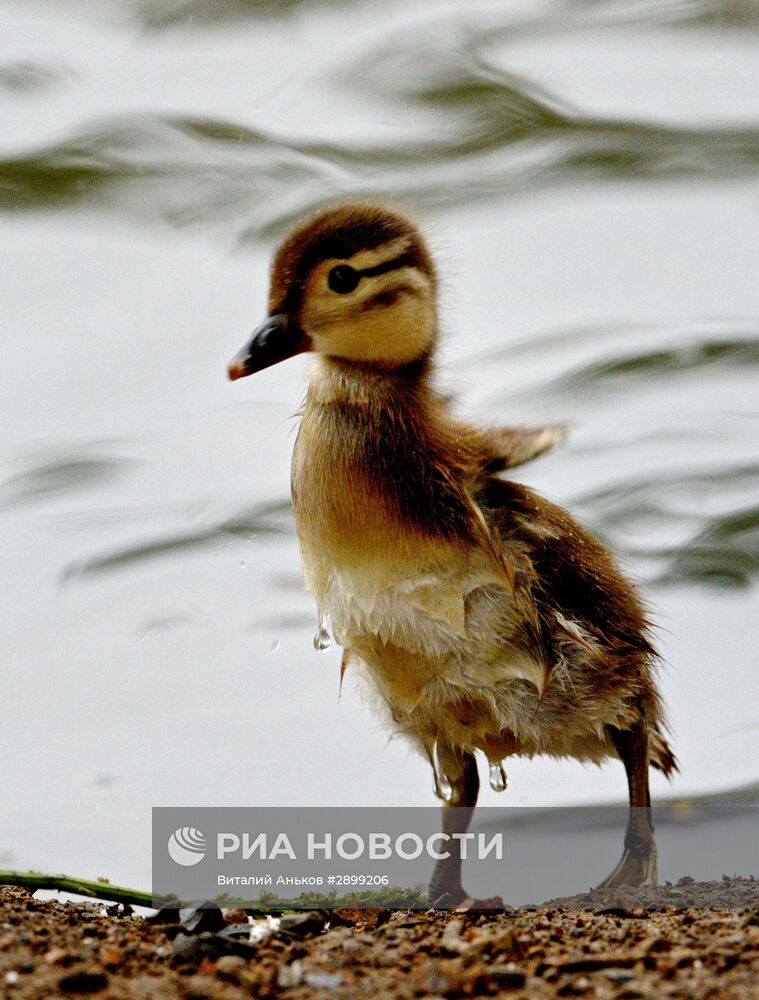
[503, 943]
[451, 940]
[619, 975]
[230, 966]
[324, 980]
[634, 991]
[303, 924]
[197, 919]
[111, 956]
[197, 948]
[83, 981]
[262, 929]
[507, 979]
[203, 987]
[55, 956]
[289, 975]
[350, 917]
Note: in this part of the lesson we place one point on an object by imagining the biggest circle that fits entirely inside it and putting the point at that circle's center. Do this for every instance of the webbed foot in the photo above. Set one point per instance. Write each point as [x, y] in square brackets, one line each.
[637, 866]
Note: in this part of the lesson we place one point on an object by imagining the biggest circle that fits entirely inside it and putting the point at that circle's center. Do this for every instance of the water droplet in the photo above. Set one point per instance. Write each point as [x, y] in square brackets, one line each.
[442, 786]
[274, 645]
[499, 781]
[322, 639]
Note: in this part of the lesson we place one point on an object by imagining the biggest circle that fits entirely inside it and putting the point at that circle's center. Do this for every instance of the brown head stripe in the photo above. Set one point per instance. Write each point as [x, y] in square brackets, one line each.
[338, 235]
[405, 260]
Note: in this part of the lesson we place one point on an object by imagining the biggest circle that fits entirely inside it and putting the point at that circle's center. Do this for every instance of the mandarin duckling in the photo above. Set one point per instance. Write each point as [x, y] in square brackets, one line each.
[485, 617]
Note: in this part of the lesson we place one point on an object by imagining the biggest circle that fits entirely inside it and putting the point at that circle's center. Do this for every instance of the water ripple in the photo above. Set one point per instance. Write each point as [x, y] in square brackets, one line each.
[567, 366]
[57, 476]
[724, 553]
[708, 14]
[717, 534]
[162, 14]
[29, 76]
[186, 13]
[260, 520]
[637, 365]
[494, 137]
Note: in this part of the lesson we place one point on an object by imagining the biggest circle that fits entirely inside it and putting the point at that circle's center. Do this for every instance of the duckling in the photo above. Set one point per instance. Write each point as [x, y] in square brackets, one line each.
[483, 616]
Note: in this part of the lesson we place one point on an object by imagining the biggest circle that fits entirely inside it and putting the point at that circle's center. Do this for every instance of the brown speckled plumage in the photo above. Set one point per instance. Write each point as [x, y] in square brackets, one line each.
[485, 617]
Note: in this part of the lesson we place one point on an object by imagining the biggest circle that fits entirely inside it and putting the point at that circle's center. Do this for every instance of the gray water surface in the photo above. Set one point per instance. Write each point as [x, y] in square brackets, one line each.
[588, 174]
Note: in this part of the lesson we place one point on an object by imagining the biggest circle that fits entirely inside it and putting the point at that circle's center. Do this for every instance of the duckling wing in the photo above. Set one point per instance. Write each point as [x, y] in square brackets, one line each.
[582, 601]
[507, 447]
[574, 575]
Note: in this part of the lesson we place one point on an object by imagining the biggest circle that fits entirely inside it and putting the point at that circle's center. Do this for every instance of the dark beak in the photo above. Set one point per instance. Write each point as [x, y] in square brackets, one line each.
[279, 337]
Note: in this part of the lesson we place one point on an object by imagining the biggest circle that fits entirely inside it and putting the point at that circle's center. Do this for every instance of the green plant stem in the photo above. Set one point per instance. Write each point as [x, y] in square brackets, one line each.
[268, 903]
[77, 886]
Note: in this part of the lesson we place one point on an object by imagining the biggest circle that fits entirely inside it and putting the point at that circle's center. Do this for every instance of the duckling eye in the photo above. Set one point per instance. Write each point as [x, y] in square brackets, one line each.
[343, 279]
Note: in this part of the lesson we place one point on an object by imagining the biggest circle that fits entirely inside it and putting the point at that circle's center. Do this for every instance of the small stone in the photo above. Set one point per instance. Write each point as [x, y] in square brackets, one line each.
[303, 924]
[507, 978]
[503, 943]
[112, 956]
[198, 919]
[368, 919]
[324, 980]
[262, 929]
[620, 900]
[83, 981]
[634, 991]
[289, 975]
[166, 915]
[467, 978]
[234, 915]
[619, 975]
[346, 916]
[229, 967]
[569, 987]
[236, 932]
[11, 978]
[451, 940]
[56, 956]
[203, 987]
[198, 948]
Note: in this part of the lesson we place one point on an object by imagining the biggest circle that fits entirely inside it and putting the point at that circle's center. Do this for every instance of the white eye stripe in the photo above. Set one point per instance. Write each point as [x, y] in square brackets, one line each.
[407, 282]
[408, 278]
[369, 284]
[382, 298]
[366, 259]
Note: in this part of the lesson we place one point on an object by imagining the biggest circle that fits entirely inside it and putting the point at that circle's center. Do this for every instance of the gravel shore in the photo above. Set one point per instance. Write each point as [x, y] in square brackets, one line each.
[688, 940]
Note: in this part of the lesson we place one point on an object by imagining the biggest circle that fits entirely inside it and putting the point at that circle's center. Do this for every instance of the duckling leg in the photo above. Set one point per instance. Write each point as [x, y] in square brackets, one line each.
[637, 866]
[445, 888]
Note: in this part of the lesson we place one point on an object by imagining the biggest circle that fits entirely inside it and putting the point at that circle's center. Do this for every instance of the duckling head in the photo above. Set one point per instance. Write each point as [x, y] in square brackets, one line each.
[356, 283]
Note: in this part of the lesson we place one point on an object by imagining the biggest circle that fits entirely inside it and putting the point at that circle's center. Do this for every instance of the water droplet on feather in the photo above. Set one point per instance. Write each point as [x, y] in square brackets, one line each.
[442, 786]
[322, 639]
[499, 781]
